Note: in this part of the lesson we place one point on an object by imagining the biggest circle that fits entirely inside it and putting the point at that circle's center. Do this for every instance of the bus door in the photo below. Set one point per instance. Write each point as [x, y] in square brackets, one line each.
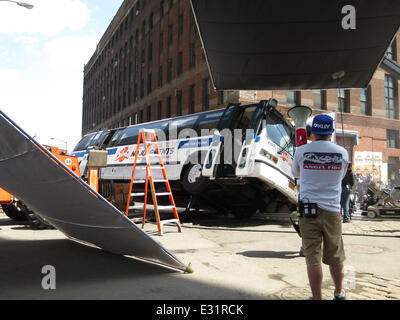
[246, 155]
[227, 141]
[213, 156]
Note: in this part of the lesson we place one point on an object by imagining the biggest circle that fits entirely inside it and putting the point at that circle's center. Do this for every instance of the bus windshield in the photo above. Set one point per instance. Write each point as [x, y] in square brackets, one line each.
[84, 143]
[279, 132]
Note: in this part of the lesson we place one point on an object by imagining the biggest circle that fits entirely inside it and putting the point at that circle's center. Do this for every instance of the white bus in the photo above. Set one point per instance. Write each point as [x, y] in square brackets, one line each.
[236, 159]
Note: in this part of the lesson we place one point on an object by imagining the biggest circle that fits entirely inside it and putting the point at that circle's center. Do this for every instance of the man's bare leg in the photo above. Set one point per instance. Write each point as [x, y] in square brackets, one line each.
[315, 279]
[337, 276]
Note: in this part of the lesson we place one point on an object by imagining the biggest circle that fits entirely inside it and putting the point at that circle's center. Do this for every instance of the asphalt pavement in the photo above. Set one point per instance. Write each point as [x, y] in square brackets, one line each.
[251, 259]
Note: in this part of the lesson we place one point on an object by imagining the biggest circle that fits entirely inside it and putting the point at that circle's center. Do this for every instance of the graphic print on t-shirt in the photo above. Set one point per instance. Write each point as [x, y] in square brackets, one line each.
[322, 161]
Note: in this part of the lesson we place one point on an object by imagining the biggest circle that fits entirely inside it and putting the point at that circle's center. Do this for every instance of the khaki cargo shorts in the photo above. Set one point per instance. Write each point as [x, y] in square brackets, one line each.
[325, 229]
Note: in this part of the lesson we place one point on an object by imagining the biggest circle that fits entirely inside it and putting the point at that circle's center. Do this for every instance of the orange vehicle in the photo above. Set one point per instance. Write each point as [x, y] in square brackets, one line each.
[18, 211]
[70, 161]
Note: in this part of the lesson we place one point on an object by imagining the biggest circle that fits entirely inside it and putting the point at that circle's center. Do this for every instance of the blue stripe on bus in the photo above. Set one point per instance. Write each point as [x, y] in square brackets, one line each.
[195, 143]
[79, 154]
[83, 153]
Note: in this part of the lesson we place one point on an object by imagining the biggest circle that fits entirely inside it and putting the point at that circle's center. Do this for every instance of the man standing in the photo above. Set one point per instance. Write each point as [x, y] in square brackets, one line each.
[321, 166]
[347, 185]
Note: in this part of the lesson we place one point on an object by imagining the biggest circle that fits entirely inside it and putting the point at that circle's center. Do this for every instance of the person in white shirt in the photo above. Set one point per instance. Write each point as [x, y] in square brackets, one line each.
[320, 167]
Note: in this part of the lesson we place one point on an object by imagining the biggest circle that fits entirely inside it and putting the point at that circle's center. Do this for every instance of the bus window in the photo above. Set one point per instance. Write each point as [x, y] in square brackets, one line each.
[84, 143]
[243, 121]
[226, 117]
[105, 141]
[182, 123]
[96, 139]
[280, 133]
[210, 120]
[128, 136]
[161, 128]
[115, 137]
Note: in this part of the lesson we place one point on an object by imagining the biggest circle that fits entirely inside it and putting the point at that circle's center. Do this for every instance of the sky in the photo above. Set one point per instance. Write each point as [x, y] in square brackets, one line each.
[42, 55]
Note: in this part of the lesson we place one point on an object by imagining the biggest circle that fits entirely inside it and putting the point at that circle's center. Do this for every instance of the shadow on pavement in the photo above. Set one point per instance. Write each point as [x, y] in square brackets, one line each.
[88, 273]
[270, 254]
[9, 222]
[216, 219]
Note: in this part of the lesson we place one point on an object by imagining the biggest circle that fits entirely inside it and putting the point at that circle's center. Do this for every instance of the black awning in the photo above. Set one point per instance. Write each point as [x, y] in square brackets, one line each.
[293, 45]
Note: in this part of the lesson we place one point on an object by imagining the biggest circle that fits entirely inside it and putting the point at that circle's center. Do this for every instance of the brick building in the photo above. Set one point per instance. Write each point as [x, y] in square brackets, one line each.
[150, 65]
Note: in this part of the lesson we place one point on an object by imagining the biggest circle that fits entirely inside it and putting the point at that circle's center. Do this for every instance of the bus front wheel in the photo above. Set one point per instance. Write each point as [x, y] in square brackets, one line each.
[192, 179]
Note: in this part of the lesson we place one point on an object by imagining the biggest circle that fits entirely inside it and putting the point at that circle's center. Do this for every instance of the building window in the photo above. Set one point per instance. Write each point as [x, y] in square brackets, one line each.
[135, 92]
[179, 102]
[192, 99]
[150, 52]
[169, 70]
[392, 110]
[143, 29]
[392, 50]
[319, 97]
[206, 94]
[344, 100]
[293, 98]
[169, 107]
[392, 139]
[151, 21]
[149, 113]
[141, 116]
[180, 26]
[180, 63]
[162, 9]
[143, 59]
[161, 44]
[160, 76]
[159, 110]
[142, 88]
[365, 101]
[123, 100]
[223, 97]
[192, 56]
[170, 34]
[149, 83]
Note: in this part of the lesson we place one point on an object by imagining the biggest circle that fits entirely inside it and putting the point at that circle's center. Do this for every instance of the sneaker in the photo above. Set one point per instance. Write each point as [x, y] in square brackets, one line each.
[339, 296]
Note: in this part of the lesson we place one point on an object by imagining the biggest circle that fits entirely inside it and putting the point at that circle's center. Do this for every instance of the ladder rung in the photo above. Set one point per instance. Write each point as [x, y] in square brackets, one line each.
[165, 207]
[169, 221]
[135, 207]
[154, 180]
[152, 167]
[163, 193]
[137, 194]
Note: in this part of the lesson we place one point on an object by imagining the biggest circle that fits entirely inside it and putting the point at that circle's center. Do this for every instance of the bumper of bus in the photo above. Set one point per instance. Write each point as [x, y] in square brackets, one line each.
[275, 178]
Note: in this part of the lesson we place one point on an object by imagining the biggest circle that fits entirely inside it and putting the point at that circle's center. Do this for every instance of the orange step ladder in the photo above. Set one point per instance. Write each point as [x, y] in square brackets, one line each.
[148, 141]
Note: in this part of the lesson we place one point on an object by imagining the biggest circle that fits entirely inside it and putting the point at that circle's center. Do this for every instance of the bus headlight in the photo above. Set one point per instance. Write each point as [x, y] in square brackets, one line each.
[269, 156]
